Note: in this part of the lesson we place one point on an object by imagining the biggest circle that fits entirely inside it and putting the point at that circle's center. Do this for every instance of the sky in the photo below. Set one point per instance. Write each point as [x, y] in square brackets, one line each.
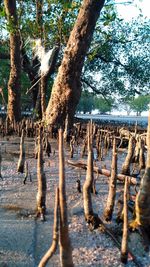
[130, 11]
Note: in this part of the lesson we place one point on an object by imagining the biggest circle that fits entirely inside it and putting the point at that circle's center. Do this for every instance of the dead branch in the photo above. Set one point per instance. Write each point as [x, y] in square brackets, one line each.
[105, 172]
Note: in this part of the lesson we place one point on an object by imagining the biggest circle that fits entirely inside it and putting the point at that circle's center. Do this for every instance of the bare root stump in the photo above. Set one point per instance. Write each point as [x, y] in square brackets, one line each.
[124, 258]
[93, 221]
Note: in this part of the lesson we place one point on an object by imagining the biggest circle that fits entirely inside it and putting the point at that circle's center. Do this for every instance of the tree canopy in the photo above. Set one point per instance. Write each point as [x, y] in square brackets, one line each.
[116, 64]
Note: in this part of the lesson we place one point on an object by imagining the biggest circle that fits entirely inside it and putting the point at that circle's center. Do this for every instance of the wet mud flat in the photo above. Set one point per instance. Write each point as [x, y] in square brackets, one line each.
[24, 239]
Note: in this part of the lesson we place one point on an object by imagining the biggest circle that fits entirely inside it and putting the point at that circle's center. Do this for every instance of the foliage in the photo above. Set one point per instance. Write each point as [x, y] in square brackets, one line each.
[4, 72]
[89, 102]
[119, 55]
[103, 105]
[140, 104]
[86, 103]
[123, 104]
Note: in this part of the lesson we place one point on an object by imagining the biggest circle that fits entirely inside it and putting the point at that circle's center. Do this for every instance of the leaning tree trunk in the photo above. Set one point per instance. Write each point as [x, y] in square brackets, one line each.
[66, 90]
[14, 87]
[142, 206]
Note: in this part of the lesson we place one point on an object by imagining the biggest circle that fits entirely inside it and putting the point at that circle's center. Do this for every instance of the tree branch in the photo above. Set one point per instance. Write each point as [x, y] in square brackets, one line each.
[94, 88]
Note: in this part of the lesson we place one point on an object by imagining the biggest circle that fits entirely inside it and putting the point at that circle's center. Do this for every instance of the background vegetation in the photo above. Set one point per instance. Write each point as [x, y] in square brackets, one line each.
[117, 63]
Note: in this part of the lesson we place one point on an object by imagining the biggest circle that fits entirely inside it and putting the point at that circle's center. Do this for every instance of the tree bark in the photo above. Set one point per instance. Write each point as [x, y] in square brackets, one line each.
[14, 86]
[39, 22]
[66, 90]
[142, 206]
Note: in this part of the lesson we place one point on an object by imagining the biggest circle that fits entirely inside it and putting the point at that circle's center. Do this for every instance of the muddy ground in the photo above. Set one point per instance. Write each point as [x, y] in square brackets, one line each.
[23, 239]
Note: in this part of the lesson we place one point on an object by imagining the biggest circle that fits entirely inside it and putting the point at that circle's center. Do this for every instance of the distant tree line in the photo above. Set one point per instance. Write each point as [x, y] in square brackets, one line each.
[89, 102]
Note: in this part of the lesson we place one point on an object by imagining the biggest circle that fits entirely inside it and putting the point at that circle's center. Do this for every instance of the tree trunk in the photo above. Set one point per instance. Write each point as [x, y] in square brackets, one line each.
[14, 87]
[39, 22]
[66, 90]
[142, 207]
